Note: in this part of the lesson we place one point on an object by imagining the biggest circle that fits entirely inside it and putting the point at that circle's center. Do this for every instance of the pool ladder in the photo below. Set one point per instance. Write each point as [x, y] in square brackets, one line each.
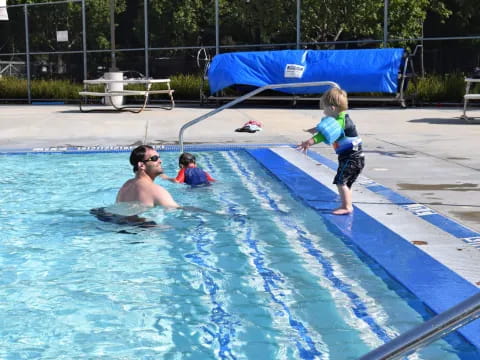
[431, 330]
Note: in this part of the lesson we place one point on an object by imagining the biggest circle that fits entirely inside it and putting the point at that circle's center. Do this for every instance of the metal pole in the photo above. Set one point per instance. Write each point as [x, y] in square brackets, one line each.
[217, 30]
[298, 23]
[112, 35]
[84, 42]
[246, 96]
[422, 65]
[385, 23]
[27, 48]
[145, 15]
[431, 330]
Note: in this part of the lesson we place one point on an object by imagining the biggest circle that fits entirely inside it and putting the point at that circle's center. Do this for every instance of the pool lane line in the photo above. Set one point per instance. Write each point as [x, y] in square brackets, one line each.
[270, 282]
[218, 315]
[358, 307]
[432, 282]
[270, 279]
[448, 225]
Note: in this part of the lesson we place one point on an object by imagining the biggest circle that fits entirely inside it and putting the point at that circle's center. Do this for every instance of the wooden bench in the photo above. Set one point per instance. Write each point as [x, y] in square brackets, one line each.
[468, 96]
[110, 93]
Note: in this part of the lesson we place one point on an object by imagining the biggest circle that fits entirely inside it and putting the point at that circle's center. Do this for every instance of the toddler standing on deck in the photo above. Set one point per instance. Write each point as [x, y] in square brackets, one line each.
[339, 130]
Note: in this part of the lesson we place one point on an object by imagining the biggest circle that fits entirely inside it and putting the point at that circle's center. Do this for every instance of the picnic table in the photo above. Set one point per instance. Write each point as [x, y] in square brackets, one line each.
[114, 97]
[469, 96]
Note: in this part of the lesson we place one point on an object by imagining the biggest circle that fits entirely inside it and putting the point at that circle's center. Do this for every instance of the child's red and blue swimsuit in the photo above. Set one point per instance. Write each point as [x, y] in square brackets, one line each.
[193, 176]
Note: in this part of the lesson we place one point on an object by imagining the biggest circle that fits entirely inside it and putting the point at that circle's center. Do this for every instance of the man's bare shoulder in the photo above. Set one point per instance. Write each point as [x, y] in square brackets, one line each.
[130, 191]
[163, 197]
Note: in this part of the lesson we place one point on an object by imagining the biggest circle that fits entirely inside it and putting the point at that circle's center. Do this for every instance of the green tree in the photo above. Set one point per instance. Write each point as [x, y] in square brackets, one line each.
[332, 20]
[176, 23]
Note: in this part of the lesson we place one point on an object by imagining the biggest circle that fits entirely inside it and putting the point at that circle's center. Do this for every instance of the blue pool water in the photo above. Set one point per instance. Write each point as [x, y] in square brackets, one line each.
[260, 276]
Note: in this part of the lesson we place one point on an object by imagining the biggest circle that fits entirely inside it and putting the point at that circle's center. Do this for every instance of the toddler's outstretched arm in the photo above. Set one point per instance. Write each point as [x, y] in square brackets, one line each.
[312, 131]
[165, 177]
[305, 145]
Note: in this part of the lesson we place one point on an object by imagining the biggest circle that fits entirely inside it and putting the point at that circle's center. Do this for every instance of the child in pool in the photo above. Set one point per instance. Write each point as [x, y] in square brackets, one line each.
[189, 172]
[347, 144]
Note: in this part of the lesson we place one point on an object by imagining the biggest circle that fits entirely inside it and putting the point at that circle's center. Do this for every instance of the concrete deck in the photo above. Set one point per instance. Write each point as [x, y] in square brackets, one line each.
[429, 155]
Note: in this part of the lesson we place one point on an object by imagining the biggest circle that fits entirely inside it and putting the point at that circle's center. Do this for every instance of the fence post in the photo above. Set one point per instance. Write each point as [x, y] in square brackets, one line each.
[27, 49]
[112, 36]
[84, 42]
[145, 16]
[385, 23]
[298, 23]
[217, 30]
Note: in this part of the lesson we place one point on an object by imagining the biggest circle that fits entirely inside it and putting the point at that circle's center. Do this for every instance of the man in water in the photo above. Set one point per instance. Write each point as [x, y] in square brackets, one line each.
[142, 189]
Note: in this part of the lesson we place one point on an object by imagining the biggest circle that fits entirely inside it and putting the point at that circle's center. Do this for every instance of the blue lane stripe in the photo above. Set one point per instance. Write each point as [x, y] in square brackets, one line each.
[270, 283]
[270, 278]
[358, 306]
[225, 325]
[448, 225]
[48, 102]
[433, 283]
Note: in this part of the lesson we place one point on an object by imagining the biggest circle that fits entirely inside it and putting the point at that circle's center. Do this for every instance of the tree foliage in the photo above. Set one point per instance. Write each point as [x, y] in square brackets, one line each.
[191, 23]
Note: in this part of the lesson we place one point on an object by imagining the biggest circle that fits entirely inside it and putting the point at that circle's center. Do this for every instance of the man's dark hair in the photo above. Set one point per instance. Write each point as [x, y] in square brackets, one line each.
[186, 159]
[138, 154]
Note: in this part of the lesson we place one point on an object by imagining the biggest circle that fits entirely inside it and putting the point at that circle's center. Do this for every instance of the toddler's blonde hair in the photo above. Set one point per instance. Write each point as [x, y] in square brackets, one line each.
[335, 97]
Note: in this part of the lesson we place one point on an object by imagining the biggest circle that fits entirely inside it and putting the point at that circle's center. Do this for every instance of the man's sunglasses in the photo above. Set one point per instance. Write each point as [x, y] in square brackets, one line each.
[153, 158]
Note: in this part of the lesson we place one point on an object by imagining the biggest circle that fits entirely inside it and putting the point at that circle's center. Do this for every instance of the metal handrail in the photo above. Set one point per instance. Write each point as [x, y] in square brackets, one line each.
[431, 330]
[246, 96]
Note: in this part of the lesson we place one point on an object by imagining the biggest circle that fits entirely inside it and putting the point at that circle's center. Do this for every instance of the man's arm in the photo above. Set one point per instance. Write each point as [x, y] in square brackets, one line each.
[162, 197]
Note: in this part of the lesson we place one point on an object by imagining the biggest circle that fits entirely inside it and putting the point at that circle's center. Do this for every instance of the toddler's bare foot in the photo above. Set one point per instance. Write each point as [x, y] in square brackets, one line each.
[342, 211]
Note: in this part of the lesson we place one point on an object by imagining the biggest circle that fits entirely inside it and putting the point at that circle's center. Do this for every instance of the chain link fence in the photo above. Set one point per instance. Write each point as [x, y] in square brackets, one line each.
[54, 41]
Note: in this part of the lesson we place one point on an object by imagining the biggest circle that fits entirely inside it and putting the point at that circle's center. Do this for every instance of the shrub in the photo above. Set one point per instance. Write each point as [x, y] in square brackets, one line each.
[13, 88]
[187, 87]
[434, 88]
[55, 89]
[431, 88]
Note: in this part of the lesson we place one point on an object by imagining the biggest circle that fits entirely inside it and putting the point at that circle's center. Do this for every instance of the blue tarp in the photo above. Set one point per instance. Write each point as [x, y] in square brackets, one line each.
[365, 70]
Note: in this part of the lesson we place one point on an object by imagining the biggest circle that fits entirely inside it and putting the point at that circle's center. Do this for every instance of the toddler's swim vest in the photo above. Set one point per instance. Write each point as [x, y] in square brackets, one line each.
[330, 129]
[347, 143]
[195, 176]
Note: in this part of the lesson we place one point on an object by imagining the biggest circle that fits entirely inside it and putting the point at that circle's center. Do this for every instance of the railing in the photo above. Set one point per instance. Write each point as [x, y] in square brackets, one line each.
[246, 96]
[10, 67]
[431, 330]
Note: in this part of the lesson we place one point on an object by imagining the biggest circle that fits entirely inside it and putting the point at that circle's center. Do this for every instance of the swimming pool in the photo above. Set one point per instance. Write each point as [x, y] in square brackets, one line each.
[259, 276]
